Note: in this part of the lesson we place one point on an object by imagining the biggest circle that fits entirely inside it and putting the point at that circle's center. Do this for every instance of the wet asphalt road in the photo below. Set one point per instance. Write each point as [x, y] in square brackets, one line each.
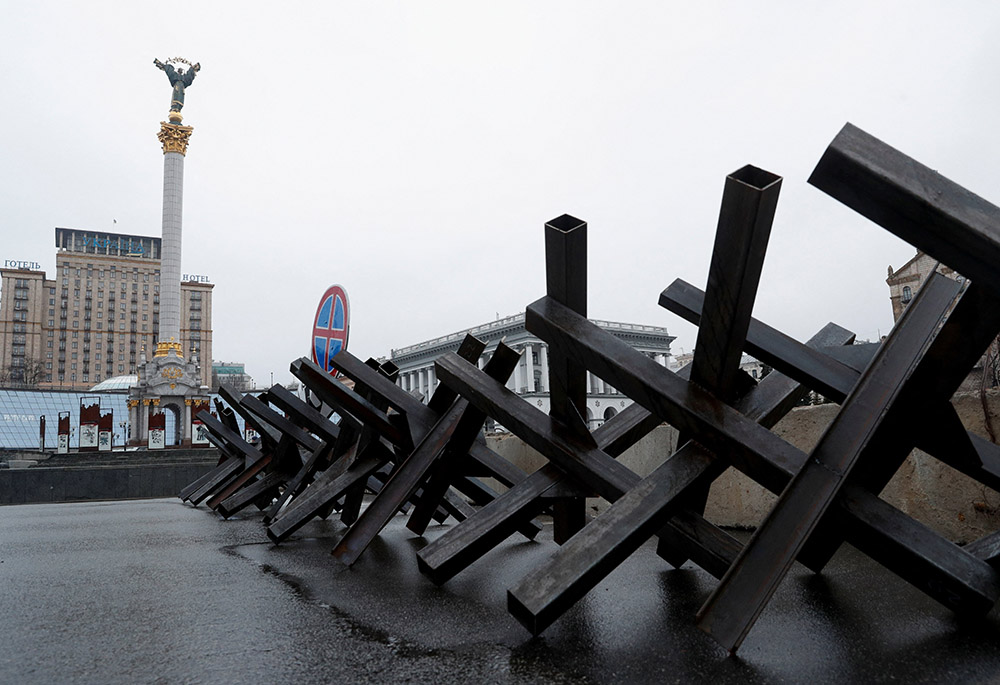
[157, 591]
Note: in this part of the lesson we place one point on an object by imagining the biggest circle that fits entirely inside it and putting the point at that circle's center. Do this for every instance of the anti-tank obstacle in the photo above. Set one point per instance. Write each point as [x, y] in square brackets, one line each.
[431, 459]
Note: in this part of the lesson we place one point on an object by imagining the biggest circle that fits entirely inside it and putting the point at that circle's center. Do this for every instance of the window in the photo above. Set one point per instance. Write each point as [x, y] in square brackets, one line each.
[907, 294]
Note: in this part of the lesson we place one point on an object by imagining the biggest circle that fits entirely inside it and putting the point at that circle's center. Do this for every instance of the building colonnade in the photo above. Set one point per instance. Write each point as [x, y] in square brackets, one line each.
[531, 375]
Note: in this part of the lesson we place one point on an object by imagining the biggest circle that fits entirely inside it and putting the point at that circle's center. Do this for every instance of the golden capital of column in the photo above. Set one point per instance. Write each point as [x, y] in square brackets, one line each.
[174, 137]
[165, 348]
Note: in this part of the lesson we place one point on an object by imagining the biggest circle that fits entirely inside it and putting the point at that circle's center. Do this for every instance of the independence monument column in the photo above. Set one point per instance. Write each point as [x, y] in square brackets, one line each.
[168, 382]
[174, 138]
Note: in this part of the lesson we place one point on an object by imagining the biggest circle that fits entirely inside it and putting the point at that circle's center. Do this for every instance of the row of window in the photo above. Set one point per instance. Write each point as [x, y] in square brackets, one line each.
[113, 271]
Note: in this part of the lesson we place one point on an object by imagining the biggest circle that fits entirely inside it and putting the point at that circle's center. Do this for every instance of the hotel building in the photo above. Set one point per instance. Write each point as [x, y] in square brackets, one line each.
[97, 317]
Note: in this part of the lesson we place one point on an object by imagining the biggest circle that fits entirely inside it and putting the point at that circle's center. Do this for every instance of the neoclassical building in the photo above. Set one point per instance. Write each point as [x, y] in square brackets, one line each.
[905, 281]
[531, 377]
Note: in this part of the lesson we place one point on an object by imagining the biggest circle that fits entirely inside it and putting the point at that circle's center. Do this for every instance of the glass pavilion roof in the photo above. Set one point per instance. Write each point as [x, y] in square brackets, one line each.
[20, 411]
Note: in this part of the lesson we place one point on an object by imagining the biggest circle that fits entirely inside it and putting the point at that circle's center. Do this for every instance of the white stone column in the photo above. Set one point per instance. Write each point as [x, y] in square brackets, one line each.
[529, 368]
[174, 139]
[170, 257]
[431, 381]
[543, 359]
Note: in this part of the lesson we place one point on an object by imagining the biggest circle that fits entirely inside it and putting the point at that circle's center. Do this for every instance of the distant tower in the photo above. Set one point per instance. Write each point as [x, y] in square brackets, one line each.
[167, 381]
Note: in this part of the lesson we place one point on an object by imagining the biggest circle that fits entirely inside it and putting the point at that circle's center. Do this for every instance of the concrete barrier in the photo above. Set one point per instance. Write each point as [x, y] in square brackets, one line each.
[144, 476]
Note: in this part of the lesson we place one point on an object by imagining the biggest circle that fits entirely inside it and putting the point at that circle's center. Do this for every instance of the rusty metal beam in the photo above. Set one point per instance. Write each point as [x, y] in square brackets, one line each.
[456, 429]
[913, 202]
[945, 572]
[733, 608]
[599, 548]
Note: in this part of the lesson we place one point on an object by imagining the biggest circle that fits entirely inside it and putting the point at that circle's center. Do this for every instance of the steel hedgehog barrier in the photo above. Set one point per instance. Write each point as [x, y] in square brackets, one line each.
[430, 460]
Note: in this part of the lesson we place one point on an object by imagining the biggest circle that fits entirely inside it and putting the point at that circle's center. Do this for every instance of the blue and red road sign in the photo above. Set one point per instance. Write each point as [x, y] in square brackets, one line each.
[330, 327]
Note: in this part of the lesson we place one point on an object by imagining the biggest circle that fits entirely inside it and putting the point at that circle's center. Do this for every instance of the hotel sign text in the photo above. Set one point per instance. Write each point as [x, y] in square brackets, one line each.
[15, 264]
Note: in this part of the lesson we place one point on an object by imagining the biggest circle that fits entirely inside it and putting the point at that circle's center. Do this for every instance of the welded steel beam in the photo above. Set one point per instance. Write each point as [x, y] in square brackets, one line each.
[913, 202]
[566, 282]
[943, 571]
[303, 414]
[456, 430]
[749, 200]
[284, 426]
[462, 545]
[747, 587]
[268, 436]
[598, 549]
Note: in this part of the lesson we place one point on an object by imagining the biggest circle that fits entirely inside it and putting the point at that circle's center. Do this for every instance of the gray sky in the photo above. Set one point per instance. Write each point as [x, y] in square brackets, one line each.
[413, 151]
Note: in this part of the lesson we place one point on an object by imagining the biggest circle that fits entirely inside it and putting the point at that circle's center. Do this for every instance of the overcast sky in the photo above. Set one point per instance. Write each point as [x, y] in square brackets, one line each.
[413, 151]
